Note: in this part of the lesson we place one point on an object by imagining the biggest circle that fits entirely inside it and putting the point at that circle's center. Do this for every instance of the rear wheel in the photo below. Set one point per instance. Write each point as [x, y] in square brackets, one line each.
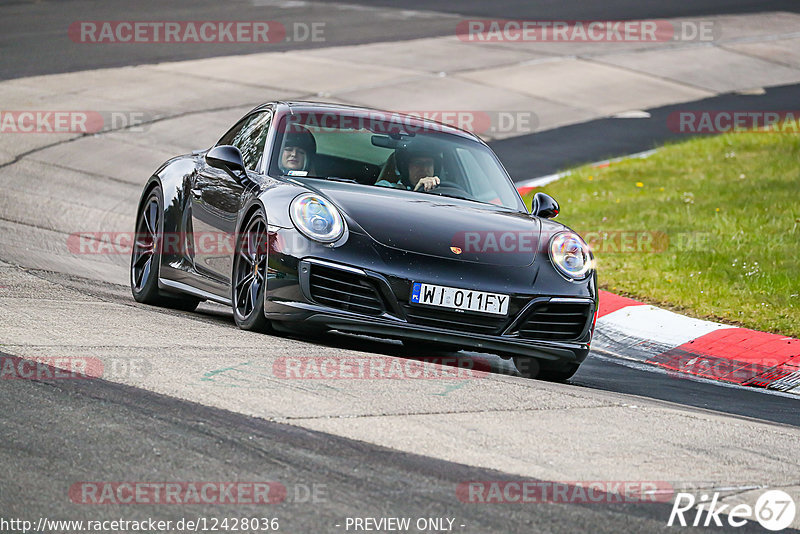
[250, 275]
[146, 258]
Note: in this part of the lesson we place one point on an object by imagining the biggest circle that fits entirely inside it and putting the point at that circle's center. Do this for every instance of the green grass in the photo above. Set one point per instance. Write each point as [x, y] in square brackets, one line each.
[729, 211]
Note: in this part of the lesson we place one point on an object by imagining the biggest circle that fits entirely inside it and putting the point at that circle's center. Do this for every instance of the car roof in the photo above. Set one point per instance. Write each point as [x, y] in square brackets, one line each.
[412, 120]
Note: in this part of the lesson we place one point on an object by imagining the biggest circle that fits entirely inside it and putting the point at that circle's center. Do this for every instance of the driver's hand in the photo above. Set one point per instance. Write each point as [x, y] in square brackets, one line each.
[429, 182]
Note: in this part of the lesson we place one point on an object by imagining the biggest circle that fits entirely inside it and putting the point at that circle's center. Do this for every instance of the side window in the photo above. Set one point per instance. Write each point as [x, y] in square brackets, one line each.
[249, 136]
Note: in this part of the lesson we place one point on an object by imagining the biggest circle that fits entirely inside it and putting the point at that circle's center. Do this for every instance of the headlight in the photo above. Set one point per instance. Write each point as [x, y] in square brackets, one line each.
[571, 255]
[316, 218]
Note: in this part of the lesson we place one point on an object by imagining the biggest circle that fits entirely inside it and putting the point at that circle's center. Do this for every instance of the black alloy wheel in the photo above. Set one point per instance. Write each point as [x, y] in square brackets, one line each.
[250, 275]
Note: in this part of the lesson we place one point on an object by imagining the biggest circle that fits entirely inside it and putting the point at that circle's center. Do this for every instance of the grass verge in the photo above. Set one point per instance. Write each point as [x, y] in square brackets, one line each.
[709, 227]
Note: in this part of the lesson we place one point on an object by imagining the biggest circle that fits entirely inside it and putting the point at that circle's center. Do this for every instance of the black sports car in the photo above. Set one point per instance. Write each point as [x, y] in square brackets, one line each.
[308, 216]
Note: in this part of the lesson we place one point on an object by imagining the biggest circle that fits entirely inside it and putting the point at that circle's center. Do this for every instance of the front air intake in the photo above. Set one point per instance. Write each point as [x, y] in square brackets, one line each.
[344, 290]
[556, 321]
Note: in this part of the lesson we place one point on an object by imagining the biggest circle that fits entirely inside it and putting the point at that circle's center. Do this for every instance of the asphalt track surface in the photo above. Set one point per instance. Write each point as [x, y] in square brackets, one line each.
[120, 433]
[33, 33]
[29, 30]
[60, 432]
[583, 10]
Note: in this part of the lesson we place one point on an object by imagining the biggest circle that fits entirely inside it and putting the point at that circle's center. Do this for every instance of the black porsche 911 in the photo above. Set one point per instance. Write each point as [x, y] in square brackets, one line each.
[316, 217]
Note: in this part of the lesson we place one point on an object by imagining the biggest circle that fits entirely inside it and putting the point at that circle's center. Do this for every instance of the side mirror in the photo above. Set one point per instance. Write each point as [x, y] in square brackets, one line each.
[544, 206]
[225, 157]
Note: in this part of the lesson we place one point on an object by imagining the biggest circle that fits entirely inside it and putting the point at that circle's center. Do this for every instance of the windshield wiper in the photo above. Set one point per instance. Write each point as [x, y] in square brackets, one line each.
[469, 199]
[331, 178]
[434, 192]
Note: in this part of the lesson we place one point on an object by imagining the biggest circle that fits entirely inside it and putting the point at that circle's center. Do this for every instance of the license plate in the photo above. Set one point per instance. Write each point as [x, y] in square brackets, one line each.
[459, 299]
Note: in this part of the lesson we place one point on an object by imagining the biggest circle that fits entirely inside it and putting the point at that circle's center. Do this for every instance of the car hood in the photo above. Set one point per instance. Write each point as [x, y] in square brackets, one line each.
[438, 226]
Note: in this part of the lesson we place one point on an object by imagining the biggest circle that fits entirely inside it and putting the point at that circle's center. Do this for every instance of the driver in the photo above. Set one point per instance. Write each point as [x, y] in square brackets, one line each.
[417, 169]
[299, 148]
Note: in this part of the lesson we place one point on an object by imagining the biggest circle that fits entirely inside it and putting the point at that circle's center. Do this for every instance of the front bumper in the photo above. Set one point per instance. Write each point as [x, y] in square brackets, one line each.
[291, 299]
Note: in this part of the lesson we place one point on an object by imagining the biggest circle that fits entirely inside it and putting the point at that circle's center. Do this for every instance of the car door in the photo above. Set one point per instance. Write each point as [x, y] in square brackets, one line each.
[217, 196]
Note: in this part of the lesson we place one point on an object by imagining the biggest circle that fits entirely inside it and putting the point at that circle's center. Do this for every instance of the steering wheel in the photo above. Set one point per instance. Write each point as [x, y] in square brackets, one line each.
[450, 185]
[451, 189]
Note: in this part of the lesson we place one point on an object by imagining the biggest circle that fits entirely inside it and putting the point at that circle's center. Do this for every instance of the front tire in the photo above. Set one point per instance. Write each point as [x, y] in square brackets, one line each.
[527, 367]
[552, 372]
[561, 374]
[248, 284]
[146, 257]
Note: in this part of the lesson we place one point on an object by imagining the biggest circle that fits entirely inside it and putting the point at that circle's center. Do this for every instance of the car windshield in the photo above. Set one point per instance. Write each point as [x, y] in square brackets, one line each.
[384, 150]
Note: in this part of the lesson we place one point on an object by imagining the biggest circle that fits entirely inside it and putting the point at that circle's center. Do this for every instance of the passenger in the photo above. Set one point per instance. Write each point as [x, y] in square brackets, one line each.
[415, 169]
[299, 149]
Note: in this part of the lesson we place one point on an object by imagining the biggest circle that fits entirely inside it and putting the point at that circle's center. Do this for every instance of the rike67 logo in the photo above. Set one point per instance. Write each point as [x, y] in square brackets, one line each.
[774, 510]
